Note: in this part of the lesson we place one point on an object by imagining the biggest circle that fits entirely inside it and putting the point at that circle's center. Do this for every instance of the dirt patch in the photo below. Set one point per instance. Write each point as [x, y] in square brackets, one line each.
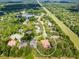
[10, 58]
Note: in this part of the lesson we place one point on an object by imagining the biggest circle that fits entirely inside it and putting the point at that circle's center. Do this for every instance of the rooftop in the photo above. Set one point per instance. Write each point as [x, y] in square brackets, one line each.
[12, 43]
[45, 43]
[16, 36]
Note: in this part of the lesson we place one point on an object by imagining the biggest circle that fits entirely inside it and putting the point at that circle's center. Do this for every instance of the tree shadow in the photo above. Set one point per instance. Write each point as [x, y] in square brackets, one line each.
[19, 7]
[1, 13]
[74, 8]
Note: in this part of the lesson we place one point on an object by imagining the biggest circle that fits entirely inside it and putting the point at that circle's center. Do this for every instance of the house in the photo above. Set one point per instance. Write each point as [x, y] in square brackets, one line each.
[38, 29]
[16, 37]
[28, 31]
[20, 30]
[22, 44]
[46, 43]
[12, 43]
[27, 16]
[33, 43]
[49, 23]
[55, 37]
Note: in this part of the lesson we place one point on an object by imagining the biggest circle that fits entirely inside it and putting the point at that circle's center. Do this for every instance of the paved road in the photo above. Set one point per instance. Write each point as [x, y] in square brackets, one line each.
[44, 31]
[41, 23]
[73, 37]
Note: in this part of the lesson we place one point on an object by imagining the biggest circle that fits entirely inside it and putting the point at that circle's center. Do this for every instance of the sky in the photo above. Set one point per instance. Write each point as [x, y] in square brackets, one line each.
[33, 0]
[9, 0]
